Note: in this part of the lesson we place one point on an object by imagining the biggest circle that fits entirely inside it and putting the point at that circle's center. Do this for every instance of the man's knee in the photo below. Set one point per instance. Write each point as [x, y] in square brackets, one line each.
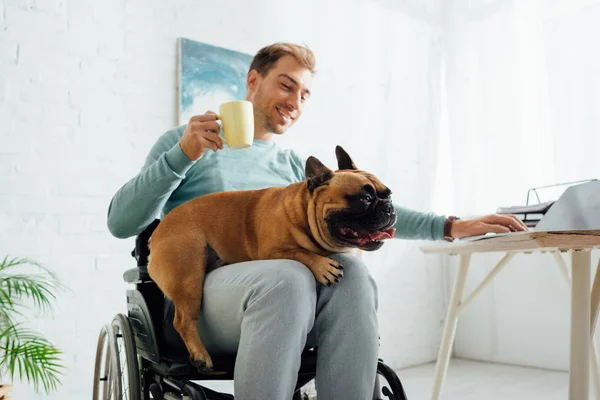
[288, 283]
[357, 281]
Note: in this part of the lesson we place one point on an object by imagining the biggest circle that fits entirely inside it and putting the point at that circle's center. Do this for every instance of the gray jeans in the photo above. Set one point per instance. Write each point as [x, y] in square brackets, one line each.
[269, 311]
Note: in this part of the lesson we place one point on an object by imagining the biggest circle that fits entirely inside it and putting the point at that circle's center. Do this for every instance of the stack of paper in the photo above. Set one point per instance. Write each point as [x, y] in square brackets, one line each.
[530, 215]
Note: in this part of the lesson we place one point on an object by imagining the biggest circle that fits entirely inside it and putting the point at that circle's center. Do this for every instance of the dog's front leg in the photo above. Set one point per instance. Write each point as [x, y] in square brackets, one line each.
[326, 271]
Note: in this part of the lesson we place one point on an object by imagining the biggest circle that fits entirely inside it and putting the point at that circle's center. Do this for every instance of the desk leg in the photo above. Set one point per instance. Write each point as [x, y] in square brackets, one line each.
[450, 327]
[595, 303]
[579, 368]
[595, 299]
[594, 368]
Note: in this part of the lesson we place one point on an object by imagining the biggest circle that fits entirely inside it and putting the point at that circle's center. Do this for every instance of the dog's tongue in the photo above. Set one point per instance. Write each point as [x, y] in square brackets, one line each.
[382, 235]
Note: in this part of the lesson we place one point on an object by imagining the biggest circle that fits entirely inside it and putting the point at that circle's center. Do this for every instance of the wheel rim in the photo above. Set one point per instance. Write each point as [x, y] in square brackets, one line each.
[127, 358]
[99, 377]
[394, 389]
[116, 373]
[115, 367]
[104, 369]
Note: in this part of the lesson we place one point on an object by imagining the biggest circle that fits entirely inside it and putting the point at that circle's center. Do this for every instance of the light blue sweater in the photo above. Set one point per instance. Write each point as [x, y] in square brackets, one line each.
[169, 178]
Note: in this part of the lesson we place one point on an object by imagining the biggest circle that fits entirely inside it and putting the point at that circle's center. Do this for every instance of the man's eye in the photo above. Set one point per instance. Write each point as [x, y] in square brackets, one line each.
[285, 86]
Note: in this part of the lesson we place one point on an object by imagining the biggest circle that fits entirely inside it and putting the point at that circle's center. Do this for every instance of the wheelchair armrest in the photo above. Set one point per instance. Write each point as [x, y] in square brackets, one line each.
[141, 252]
[136, 275]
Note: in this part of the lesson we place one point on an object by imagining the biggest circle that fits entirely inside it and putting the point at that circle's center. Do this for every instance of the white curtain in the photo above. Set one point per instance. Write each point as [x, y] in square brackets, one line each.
[522, 84]
[523, 95]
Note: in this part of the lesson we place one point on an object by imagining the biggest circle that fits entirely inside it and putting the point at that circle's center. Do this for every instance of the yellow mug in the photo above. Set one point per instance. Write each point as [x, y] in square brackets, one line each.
[237, 123]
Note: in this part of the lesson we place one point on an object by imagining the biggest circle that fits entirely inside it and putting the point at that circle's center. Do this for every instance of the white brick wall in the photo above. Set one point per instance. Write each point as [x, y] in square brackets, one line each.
[87, 86]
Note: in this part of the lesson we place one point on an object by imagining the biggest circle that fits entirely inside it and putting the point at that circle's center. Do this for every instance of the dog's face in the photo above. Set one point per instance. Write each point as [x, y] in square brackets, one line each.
[349, 207]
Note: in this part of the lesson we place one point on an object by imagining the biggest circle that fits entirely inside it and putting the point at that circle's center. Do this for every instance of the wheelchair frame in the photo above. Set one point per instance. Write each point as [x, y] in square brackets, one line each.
[133, 360]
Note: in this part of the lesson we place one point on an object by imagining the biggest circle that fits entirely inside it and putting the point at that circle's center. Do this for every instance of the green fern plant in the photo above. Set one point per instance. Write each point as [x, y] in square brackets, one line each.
[25, 354]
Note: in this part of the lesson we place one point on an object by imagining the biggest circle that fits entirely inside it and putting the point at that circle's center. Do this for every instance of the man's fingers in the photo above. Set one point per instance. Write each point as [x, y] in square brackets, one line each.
[491, 224]
[507, 220]
[215, 138]
[520, 223]
[206, 126]
[515, 222]
[487, 228]
[212, 138]
[208, 116]
[207, 144]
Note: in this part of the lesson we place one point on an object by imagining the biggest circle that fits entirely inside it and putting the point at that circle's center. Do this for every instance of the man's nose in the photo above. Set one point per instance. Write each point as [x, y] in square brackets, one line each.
[294, 101]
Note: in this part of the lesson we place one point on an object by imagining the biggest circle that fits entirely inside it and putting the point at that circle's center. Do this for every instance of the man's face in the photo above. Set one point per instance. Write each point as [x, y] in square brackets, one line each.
[280, 96]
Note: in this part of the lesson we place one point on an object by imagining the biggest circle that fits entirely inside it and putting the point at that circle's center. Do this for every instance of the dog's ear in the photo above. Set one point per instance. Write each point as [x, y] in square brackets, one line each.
[317, 174]
[344, 160]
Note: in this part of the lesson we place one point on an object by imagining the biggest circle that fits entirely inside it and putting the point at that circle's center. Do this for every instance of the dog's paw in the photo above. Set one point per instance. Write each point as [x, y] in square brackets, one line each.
[204, 367]
[327, 271]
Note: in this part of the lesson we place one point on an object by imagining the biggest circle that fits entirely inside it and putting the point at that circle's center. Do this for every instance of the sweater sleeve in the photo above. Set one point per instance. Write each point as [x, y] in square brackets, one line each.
[137, 203]
[412, 224]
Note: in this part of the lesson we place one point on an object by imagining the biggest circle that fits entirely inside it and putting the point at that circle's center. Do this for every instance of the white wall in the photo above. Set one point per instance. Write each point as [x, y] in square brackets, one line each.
[523, 317]
[523, 94]
[86, 87]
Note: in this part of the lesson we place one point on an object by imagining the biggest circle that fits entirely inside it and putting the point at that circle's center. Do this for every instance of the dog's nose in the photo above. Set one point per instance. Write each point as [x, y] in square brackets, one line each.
[389, 209]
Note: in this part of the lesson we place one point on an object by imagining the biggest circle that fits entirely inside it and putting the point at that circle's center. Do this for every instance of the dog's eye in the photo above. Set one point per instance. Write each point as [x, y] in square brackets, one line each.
[366, 199]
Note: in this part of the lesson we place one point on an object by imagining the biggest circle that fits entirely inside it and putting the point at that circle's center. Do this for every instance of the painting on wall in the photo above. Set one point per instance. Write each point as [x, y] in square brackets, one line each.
[208, 76]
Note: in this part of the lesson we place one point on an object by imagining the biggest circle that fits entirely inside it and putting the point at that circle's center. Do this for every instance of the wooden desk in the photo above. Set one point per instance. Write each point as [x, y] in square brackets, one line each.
[584, 305]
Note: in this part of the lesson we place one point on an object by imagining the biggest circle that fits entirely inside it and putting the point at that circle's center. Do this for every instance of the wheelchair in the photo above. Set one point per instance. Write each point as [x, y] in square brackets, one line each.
[135, 362]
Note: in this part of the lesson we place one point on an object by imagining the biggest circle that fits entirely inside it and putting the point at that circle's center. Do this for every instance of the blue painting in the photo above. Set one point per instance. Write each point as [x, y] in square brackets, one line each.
[208, 76]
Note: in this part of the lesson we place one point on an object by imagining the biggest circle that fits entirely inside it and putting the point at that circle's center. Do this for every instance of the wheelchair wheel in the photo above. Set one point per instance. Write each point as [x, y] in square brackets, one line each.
[127, 355]
[105, 386]
[395, 391]
[116, 373]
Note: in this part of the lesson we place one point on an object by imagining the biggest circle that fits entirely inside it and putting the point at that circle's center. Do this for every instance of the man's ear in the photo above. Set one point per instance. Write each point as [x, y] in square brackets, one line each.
[252, 80]
[317, 174]
[344, 160]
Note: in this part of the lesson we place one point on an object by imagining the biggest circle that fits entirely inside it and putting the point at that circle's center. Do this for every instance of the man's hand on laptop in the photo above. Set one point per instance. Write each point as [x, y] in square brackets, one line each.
[487, 224]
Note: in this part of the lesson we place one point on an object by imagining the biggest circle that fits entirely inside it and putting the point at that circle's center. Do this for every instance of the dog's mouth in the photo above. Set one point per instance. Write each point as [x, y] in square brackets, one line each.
[364, 238]
[366, 230]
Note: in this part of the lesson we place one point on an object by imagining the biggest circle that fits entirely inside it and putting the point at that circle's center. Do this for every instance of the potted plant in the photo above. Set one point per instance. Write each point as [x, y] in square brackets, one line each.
[25, 354]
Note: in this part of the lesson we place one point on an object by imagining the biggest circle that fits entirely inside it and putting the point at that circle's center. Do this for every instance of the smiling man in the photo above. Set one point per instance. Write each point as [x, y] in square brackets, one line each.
[270, 91]
[269, 311]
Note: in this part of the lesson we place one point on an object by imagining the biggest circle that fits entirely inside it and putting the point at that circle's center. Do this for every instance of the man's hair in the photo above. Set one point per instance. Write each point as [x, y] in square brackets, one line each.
[266, 57]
